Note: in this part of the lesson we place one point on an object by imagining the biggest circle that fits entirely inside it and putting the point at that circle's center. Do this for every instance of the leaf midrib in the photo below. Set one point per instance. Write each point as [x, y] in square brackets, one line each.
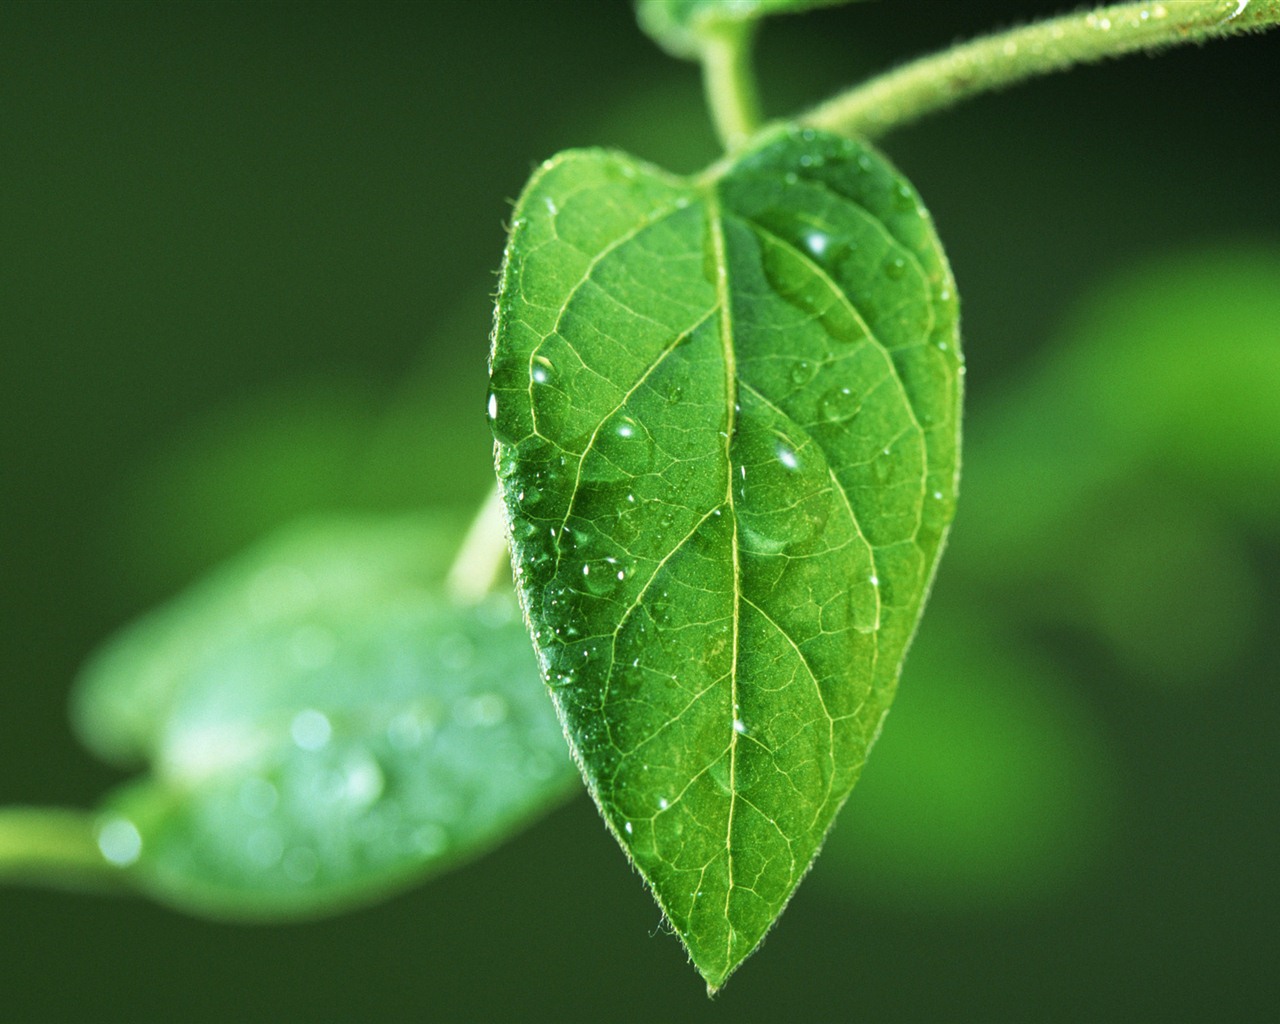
[715, 220]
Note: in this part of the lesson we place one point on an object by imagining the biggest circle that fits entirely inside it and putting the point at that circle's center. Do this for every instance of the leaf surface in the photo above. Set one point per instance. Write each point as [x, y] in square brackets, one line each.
[323, 726]
[681, 26]
[727, 420]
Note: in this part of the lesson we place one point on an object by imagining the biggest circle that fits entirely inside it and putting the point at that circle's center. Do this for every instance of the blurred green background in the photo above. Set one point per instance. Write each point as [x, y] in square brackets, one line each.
[246, 257]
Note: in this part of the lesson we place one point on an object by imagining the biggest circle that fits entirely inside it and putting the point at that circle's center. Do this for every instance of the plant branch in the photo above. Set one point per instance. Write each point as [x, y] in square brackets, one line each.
[938, 81]
[730, 84]
[483, 554]
[52, 846]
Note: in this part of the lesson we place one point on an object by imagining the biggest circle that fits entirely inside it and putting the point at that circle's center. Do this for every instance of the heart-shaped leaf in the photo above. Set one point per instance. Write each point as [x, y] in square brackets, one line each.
[323, 724]
[681, 26]
[727, 413]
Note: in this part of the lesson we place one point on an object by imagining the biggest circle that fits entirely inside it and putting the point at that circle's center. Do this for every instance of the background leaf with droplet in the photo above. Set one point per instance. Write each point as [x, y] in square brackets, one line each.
[323, 725]
[681, 26]
[727, 414]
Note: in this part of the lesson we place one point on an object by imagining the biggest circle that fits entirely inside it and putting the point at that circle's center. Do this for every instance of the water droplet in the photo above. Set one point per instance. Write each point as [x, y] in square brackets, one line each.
[874, 580]
[541, 370]
[887, 465]
[739, 726]
[493, 407]
[778, 466]
[550, 204]
[817, 242]
[663, 803]
[627, 444]
[894, 268]
[803, 371]
[310, 729]
[840, 324]
[362, 780]
[119, 841]
[528, 497]
[839, 405]
[626, 827]
[903, 197]
[602, 576]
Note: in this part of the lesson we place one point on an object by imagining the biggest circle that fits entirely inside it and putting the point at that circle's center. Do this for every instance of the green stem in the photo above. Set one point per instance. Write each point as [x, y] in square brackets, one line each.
[52, 846]
[938, 81]
[730, 83]
[482, 558]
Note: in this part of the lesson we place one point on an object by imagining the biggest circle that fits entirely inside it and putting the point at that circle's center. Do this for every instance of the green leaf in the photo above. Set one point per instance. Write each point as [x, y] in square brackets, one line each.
[681, 26]
[727, 414]
[323, 726]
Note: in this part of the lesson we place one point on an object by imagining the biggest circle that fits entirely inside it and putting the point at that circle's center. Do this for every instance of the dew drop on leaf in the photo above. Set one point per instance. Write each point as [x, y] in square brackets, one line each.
[839, 405]
[119, 841]
[803, 371]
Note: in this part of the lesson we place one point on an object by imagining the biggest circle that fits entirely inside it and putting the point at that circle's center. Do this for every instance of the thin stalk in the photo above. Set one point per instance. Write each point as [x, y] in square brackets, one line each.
[941, 80]
[52, 846]
[482, 558]
[730, 84]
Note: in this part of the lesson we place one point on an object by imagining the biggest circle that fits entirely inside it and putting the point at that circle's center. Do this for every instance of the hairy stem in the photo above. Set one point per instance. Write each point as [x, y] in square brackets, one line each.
[730, 83]
[52, 846]
[938, 81]
[483, 556]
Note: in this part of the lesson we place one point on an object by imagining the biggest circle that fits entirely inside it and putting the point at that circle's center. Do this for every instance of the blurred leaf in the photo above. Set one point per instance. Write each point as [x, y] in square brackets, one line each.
[728, 494]
[1183, 356]
[1174, 367]
[1106, 490]
[226, 479]
[323, 725]
[990, 786]
[1166, 583]
[681, 26]
[442, 395]
[233, 475]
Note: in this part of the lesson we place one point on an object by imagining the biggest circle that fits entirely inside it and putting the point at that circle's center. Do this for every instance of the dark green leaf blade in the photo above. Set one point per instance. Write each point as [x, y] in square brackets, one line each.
[680, 26]
[324, 726]
[727, 413]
